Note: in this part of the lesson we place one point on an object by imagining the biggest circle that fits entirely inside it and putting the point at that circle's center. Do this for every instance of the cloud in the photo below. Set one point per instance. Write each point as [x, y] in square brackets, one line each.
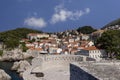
[87, 10]
[35, 22]
[61, 14]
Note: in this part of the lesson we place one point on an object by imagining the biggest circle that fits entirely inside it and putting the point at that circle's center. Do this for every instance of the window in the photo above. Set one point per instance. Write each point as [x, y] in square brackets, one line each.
[96, 56]
[98, 51]
[89, 51]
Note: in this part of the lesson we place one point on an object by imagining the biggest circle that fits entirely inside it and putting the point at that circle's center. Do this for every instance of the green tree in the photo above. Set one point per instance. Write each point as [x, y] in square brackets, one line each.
[11, 43]
[1, 52]
[23, 47]
[11, 38]
[110, 40]
[86, 29]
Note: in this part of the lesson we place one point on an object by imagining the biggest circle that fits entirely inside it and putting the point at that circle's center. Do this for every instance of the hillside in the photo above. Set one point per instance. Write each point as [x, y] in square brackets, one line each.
[86, 29]
[11, 38]
[113, 23]
[17, 33]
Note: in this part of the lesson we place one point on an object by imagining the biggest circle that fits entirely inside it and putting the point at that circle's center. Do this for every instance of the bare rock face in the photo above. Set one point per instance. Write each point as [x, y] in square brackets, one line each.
[21, 66]
[14, 55]
[15, 66]
[4, 76]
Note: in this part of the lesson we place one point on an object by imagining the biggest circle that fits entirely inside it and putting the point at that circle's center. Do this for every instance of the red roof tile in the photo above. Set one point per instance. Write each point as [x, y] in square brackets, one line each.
[91, 48]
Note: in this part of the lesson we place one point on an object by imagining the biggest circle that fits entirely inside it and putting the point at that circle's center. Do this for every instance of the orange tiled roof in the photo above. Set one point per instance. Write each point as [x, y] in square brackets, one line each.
[25, 39]
[38, 49]
[91, 48]
[30, 47]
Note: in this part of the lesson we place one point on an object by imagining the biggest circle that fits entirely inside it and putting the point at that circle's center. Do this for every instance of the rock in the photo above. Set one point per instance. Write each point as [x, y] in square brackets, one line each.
[23, 66]
[4, 76]
[26, 55]
[15, 66]
[20, 66]
[21, 74]
[14, 55]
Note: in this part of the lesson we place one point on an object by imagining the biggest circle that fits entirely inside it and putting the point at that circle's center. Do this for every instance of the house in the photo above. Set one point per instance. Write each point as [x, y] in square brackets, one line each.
[115, 27]
[93, 52]
[52, 50]
[77, 38]
[84, 37]
[29, 45]
[71, 40]
[55, 50]
[85, 44]
[54, 36]
[36, 36]
[32, 36]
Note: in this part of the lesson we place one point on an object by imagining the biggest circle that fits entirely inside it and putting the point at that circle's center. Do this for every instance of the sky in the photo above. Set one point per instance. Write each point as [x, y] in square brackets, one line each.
[57, 15]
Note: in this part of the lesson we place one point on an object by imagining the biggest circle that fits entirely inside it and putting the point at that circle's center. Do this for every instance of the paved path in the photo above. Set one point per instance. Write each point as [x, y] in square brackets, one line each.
[57, 73]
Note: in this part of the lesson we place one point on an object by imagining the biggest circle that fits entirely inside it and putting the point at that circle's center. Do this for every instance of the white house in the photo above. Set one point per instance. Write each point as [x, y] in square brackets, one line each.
[85, 44]
[90, 43]
[59, 50]
[53, 50]
[71, 40]
[36, 36]
[84, 37]
[32, 36]
[93, 52]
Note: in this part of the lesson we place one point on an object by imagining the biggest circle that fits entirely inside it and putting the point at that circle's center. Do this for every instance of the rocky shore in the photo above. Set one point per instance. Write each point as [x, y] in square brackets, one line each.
[21, 66]
[4, 75]
[14, 55]
[19, 60]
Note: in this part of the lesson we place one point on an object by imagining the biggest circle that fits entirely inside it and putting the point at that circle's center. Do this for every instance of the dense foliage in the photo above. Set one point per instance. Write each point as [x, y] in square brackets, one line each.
[23, 47]
[110, 40]
[86, 29]
[1, 52]
[11, 38]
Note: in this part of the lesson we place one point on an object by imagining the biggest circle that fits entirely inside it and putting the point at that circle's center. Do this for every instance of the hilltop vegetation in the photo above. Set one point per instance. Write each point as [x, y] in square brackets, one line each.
[86, 29]
[11, 38]
[113, 23]
[110, 41]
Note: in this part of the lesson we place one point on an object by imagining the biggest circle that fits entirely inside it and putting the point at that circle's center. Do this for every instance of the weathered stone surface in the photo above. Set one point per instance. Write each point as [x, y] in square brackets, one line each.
[4, 76]
[15, 66]
[53, 68]
[107, 70]
[20, 66]
[14, 55]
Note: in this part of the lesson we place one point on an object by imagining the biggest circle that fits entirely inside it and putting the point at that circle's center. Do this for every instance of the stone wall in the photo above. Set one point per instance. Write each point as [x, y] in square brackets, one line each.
[76, 73]
[48, 61]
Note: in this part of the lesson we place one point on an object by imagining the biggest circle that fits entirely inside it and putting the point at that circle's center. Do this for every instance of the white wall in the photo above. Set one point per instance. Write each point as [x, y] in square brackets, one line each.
[96, 54]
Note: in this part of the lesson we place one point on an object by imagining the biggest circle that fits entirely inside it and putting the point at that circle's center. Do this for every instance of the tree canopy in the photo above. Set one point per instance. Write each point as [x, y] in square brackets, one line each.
[86, 29]
[110, 40]
[11, 38]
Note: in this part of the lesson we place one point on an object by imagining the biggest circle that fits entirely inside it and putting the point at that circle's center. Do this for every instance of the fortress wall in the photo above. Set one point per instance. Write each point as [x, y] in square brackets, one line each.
[76, 73]
[37, 62]
[48, 61]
